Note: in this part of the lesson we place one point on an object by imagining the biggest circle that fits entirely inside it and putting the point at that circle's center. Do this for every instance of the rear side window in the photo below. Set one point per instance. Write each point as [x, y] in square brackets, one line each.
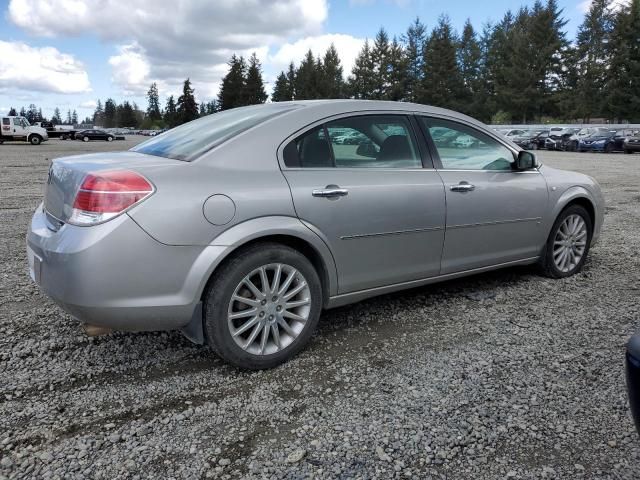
[365, 141]
[189, 141]
[6, 121]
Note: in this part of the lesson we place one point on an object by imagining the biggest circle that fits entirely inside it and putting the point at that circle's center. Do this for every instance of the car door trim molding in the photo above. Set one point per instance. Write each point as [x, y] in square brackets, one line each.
[497, 222]
[396, 232]
[351, 297]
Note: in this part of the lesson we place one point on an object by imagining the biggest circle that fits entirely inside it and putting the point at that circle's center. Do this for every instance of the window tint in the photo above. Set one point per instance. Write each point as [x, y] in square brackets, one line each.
[310, 150]
[373, 141]
[465, 148]
[192, 139]
[5, 121]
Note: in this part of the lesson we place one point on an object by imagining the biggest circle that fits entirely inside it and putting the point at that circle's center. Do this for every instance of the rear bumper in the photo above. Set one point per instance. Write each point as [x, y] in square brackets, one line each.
[115, 275]
[633, 378]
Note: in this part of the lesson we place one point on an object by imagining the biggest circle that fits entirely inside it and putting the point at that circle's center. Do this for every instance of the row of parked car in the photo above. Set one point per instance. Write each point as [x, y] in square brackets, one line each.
[588, 139]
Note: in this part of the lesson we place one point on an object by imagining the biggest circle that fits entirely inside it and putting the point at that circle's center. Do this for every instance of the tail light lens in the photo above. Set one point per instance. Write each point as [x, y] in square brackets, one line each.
[105, 195]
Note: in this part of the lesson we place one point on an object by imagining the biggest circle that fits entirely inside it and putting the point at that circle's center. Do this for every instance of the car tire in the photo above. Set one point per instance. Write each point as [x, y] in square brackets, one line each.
[35, 140]
[236, 336]
[85, 139]
[109, 139]
[608, 148]
[551, 262]
[627, 151]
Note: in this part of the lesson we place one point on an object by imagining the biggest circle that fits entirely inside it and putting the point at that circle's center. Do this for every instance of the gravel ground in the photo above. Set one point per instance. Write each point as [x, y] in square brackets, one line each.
[501, 375]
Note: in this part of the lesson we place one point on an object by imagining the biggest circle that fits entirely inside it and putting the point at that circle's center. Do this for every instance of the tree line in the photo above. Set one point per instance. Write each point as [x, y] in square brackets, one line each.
[521, 69]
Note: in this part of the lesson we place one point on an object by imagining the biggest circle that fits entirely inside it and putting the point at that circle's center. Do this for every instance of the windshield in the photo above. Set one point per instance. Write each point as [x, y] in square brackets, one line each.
[192, 139]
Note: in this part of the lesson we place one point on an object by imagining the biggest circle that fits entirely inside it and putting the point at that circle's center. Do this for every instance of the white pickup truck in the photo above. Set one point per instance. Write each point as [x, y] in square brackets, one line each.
[18, 129]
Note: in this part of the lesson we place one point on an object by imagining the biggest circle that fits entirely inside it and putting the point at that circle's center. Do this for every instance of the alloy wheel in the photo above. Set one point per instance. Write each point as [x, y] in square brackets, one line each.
[570, 243]
[269, 309]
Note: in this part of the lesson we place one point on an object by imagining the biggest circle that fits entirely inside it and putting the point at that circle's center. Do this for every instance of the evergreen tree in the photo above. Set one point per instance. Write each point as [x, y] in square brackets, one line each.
[331, 83]
[153, 103]
[414, 41]
[125, 115]
[381, 66]
[187, 108]
[307, 78]
[32, 114]
[212, 107]
[203, 110]
[281, 89]
[623, 83]
[232, 88]
[590, 59]
[109, 113]
[56, 120]
[98, 114]
[40, 116]
[291, 80]
[361, 83]
[23, 112]
[442, 83]
[254, 92]
[398, 75]
[12, 112]
[68, 120]
[74, 118]
[470, 59]
[170, 113]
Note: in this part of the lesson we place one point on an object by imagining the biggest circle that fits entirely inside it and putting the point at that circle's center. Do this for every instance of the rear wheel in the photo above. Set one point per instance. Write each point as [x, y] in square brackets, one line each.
[627, 151]
[262, 306]
[568, 243]
[608, 148]
[109, 139]
[35, 140]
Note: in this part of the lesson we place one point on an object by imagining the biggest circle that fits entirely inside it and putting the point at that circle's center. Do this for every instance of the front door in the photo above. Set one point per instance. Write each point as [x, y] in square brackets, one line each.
[360, 183]
[19, 127]
[494, 213]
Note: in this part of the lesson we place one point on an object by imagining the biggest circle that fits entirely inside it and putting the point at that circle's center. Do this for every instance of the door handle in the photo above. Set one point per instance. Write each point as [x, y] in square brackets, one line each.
[462, 187]
[330, 191]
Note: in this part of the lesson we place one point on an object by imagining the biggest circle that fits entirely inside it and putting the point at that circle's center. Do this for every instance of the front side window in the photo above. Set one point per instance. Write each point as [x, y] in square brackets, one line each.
[366, 141]
[464, 148]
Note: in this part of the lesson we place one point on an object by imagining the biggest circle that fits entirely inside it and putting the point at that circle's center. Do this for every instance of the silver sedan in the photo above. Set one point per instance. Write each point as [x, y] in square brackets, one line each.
[241, 227]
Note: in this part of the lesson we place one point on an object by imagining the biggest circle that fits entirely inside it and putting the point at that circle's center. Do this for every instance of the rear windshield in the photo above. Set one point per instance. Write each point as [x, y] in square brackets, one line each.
[192, 139]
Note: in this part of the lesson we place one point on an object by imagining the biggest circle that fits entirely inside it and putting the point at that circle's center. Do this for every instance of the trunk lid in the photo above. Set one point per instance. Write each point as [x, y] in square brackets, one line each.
[66, 175]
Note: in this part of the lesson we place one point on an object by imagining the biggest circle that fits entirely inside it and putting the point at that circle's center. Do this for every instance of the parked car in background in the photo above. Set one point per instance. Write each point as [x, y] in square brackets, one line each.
[93, 134]
[632, 144]
[239, 228]
[532, 139]
[605, 141]
[560, 139]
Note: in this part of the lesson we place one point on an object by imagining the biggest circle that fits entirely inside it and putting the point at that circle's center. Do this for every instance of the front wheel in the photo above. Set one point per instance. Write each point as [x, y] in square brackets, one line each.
[627, 151]
[85, 139]
[568, 243]
[35, 140]
[109, 139]
[262, 306]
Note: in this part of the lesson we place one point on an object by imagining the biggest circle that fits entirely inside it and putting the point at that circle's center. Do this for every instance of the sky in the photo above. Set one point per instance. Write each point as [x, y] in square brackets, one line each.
[69, 53]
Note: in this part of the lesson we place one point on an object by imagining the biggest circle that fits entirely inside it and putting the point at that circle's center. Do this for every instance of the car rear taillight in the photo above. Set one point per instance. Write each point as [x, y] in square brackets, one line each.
[105, 195]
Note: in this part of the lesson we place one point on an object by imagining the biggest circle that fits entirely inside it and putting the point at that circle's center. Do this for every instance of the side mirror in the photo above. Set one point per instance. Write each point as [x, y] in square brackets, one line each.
[526, 161]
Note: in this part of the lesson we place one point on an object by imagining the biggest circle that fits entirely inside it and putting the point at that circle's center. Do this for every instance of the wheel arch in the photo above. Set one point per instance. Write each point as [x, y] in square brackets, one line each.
[576, 195]
[286, 231]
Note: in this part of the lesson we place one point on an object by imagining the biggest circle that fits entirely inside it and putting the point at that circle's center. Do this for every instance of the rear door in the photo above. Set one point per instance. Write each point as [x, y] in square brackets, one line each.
[494, 213]
[360, 183]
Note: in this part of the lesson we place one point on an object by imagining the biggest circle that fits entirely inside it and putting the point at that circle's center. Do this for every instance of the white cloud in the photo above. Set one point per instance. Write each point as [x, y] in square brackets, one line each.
[169, 40]
[88, 104]
[23, 67]
[348, 48]
[615, 5]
